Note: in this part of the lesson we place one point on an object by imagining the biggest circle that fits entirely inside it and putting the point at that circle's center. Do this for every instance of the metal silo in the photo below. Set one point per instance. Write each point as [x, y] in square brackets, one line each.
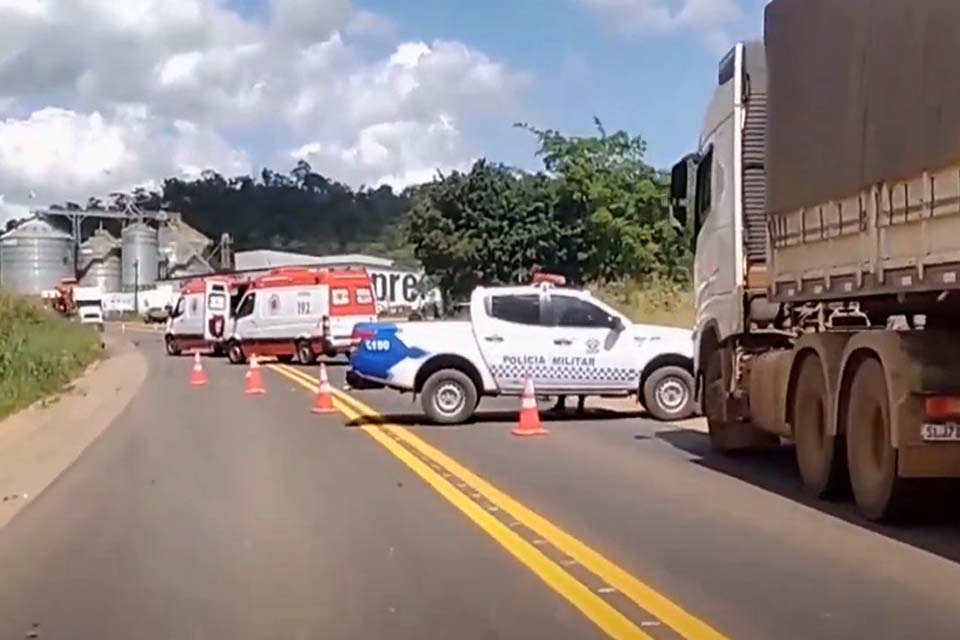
[140, 255]
[34, 257]
[100, 262]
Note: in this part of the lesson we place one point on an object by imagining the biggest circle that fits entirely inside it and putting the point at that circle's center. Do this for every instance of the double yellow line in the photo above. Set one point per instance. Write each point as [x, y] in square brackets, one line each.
[424, 459]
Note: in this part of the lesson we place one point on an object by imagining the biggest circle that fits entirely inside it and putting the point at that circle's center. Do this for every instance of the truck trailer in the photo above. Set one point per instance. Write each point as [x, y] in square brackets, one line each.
[824, 200]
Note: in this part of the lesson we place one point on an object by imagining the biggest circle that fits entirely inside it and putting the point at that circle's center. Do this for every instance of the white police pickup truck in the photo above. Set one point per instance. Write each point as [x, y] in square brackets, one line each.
[568, 342]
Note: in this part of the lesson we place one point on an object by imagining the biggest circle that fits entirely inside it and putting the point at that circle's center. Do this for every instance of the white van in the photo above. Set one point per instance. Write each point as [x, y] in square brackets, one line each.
[301, 313]
[200, 317]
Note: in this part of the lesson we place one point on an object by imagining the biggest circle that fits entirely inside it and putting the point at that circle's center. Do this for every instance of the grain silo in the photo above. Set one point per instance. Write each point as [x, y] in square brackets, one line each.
[99, 262]
[35, 257]
[140, 256]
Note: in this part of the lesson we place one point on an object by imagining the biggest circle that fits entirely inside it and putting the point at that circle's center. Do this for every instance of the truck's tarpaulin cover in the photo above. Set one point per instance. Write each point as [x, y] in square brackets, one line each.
[861, 92]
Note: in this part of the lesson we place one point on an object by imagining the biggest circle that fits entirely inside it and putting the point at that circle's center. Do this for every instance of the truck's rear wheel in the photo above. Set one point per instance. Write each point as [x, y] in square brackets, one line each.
[727, 435]
[305, 353]
[235, 353]
[879, 492]
[172, 348]
[820, 455]
[668, 393]
[449, 397]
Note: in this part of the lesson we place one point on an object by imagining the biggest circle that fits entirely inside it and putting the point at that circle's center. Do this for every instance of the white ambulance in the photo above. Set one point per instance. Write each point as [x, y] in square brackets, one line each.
[300, 313]
[200, 317]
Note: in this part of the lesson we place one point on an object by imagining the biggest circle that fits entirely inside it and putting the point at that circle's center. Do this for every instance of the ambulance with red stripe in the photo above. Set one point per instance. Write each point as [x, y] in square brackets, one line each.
[300, 313]
[201, 316]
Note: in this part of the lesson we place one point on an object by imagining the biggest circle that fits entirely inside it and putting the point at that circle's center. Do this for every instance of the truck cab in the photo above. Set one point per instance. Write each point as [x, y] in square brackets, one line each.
[718, 194]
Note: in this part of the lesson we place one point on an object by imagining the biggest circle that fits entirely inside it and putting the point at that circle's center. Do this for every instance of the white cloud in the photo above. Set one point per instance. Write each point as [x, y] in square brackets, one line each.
[395, 153]
[368, 23]
[103, 94]
[60, 154]
[712, 18]
[309, 21]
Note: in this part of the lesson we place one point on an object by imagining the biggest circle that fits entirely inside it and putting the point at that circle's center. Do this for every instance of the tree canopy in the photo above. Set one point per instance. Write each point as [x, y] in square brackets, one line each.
[596, 212]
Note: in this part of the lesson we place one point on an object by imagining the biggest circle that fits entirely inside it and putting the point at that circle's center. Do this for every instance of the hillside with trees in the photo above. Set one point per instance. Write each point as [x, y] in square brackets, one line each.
[595, 212]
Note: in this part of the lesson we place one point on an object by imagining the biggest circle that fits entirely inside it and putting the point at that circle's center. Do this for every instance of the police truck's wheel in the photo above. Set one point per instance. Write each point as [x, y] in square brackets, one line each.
[172, 348]
[449, 397]
[668, 393]
[820, 455]
[305, 353]
[879, 492]
[235, 353]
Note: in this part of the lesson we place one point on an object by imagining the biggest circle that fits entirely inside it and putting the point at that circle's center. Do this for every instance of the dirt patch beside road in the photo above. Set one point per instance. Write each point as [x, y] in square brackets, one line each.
[39, 443]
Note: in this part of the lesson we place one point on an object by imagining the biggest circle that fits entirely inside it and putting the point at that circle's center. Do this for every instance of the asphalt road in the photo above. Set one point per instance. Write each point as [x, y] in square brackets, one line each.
[204, 513]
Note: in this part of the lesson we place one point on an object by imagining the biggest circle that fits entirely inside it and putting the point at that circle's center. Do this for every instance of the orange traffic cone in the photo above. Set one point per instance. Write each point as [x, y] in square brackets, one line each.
[529, 413]
[254, 381]
[324, 401]
[197, 376]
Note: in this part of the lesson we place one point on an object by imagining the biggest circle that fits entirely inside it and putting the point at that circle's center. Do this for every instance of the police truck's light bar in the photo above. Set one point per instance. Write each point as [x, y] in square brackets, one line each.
[549, 279]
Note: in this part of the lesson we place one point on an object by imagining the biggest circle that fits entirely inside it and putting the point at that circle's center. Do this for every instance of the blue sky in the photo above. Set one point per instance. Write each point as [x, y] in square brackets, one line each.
[101, 95]
[655, 84]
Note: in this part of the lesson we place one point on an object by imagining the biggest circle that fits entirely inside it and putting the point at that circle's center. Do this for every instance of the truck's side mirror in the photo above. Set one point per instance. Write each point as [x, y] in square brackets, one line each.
[682, 185]
[616, 324]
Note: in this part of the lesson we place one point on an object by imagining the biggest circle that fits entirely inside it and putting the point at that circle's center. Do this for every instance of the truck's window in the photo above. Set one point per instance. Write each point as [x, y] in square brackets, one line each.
[517, 309]
[181, 304]
[246, 306]
[704, 186]
[568, 311]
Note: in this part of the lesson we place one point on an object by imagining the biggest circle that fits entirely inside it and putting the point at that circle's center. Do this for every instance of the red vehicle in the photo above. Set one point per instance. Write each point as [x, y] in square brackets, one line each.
[302, 313]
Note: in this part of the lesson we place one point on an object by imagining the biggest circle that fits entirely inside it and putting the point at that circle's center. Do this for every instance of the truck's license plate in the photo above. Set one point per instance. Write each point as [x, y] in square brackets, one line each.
[949, 432]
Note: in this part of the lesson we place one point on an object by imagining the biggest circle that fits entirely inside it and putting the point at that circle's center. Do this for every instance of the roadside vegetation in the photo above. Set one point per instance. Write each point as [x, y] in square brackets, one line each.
[657, 302]
[40, 352]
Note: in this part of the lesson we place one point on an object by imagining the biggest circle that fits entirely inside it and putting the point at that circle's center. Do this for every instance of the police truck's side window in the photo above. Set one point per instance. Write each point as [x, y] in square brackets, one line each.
[246, 307]
[517, 309]
[568, 311]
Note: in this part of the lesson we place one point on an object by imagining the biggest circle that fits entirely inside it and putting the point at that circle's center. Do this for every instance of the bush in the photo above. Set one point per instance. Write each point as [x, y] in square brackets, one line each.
[40, 352]
[656, 302]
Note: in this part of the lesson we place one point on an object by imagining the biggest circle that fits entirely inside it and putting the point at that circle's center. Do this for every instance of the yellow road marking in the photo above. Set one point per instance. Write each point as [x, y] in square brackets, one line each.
[644, 596]
[606, 617]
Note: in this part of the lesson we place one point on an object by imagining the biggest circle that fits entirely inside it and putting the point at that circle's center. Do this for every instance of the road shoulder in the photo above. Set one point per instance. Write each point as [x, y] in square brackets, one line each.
[39, 443]
[631, 406]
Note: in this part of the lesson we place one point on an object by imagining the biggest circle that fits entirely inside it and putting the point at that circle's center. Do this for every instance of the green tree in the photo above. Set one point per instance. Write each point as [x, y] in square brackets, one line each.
[596, 213]
[490, 225]
[615, 205]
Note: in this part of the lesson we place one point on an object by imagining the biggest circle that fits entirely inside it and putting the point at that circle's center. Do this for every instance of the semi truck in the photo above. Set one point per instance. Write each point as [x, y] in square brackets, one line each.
[824, 200]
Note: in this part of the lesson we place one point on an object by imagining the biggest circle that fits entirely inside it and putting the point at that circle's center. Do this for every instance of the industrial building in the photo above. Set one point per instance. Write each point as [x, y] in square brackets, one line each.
[156, 252]
[152, 247]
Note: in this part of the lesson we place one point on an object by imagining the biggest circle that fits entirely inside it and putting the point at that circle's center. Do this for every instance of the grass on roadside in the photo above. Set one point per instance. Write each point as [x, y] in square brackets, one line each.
[40, 352]
[663, 303]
